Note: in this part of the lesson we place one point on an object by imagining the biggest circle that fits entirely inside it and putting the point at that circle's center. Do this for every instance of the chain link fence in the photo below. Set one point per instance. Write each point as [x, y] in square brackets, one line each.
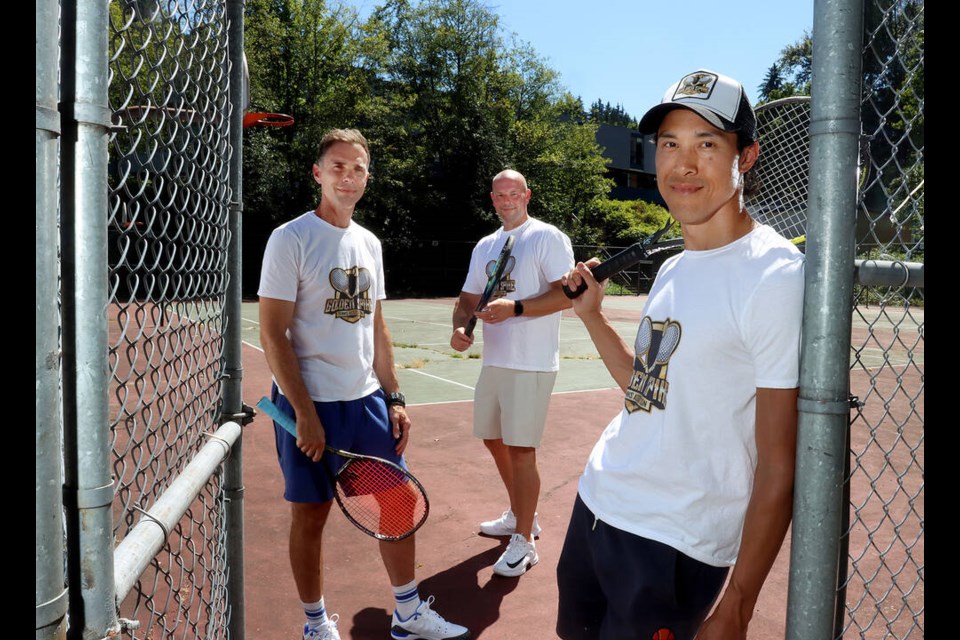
[167, 253]
[882, 580]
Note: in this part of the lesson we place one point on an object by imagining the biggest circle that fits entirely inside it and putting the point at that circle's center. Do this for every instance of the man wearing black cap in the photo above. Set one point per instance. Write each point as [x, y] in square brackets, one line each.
[695, 475]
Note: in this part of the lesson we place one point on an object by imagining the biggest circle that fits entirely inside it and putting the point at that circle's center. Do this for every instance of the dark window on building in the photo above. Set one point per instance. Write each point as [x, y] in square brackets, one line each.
[636, 150]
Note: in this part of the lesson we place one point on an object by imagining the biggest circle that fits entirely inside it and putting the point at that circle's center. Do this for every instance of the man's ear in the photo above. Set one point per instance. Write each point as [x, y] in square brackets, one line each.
[748, 157]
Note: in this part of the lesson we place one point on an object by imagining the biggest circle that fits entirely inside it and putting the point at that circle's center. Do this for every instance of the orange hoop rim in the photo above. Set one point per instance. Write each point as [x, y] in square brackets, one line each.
[264, 119]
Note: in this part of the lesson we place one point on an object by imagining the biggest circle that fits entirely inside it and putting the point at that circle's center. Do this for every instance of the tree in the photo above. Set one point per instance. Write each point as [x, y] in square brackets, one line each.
[601, 112]
[446, 100]
[772, 83]
[791, 74]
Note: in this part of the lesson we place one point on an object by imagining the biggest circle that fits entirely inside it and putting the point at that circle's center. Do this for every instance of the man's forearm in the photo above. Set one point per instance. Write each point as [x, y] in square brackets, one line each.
[546, 303]
[765, 526]
[285, 366]
[616, 356]
[383, 362]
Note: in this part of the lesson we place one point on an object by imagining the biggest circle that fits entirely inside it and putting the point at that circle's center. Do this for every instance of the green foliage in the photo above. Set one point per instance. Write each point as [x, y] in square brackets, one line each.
[627, 222]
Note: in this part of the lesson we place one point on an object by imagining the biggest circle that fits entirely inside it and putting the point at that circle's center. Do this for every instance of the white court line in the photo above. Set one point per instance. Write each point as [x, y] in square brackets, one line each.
[439, 324]
[557, 393]
[429, 375]
[249, 320]
[426, 404]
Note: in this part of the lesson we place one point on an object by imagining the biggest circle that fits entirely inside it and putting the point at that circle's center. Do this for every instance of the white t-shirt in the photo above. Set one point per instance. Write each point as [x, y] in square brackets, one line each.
[541, 254]
[335, 277]
[677, 464]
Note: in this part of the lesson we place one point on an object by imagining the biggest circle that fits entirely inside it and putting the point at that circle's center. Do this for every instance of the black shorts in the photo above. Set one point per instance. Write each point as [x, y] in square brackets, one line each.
[616, 585]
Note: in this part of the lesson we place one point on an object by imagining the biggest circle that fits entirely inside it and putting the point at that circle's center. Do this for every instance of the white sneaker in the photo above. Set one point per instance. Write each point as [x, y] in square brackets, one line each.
[426, 624]
[326, 631]
[521, 554]
[506, 525]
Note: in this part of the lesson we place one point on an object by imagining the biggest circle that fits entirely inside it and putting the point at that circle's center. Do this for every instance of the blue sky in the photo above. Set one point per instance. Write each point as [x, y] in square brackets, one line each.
[628, 52]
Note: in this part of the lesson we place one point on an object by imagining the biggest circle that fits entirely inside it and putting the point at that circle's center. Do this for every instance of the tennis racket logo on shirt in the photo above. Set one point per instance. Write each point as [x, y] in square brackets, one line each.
[351, 300]
[656, 342]
[506, 284]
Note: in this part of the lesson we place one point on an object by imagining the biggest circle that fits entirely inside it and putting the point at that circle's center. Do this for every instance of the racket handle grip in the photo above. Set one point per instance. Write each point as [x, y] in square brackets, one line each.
[470, 326]
[626, 258]
[277, 415]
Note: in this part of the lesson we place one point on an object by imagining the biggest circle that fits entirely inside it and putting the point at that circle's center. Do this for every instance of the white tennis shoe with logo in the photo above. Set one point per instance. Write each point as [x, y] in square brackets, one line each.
[426, 624]
[521, 554]
[326, 631]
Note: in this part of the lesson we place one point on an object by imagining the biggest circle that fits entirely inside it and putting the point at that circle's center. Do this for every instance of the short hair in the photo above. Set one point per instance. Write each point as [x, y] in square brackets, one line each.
[333, 136]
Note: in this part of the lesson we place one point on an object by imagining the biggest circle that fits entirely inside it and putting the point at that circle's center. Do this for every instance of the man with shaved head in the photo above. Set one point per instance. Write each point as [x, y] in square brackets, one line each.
[521, 357]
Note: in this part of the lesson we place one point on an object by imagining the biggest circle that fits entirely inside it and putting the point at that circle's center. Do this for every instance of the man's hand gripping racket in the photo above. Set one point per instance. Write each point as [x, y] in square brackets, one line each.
[496, 274]
[783, 171]
[623, 260]
[381, 498]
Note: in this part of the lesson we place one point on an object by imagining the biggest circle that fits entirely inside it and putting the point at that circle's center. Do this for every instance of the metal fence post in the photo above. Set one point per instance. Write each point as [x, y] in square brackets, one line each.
[51, 594]
[825, 377]
[233, 363]
[88, 489]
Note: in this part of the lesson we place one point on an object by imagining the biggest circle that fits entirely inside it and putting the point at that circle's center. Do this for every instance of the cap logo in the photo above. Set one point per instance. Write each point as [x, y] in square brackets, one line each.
[696, 85]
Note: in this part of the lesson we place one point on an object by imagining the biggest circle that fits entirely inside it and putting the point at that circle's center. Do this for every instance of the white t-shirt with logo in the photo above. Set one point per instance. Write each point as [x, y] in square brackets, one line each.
[676, 465]
[335, 277]
[541, 254]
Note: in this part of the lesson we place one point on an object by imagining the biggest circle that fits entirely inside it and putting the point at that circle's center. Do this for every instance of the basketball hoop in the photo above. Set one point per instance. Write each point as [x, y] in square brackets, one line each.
[262, 119]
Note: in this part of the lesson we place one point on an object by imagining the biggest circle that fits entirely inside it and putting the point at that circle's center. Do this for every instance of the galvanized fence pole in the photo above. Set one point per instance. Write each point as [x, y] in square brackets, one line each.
[51, 593]
[233, 363]
[89, 486]
[825, 375]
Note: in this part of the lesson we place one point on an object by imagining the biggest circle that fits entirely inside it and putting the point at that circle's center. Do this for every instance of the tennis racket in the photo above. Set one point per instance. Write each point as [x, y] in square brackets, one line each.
[380, 498]
[623, 260]
[494, 276]
[782, 172]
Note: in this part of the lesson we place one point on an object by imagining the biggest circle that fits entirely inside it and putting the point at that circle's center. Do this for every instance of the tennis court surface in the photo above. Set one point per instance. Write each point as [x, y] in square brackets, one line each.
[454, 562]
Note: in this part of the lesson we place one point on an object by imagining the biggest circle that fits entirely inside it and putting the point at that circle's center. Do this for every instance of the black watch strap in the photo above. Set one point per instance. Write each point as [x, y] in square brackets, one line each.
[517, 308]
[396, 398]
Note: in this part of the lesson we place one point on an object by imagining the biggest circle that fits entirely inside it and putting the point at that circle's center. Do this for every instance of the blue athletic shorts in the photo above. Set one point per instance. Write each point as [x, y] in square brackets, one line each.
[616, 585]
[358, 426]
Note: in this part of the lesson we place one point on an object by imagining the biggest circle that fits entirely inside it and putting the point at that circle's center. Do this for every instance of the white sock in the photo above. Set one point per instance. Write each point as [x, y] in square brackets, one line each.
[316, 613]
[408, 599]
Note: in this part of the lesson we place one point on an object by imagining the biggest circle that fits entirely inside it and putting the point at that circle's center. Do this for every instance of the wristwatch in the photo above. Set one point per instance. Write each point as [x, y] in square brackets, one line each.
[517, 308]
[396, 398]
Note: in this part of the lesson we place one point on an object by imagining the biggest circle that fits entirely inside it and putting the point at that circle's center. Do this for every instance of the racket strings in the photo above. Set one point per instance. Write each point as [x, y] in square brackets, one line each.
[381, 498]
[783, 168]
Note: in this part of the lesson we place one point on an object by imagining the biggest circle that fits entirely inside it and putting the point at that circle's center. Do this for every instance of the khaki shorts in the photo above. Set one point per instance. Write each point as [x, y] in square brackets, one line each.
[511, 405]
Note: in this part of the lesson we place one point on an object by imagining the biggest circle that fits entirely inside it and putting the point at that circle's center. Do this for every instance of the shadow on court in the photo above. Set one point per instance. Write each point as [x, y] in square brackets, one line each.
[458, 585]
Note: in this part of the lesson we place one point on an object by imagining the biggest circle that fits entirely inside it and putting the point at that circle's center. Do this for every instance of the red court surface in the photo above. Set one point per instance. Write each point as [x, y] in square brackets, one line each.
[453, 561]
